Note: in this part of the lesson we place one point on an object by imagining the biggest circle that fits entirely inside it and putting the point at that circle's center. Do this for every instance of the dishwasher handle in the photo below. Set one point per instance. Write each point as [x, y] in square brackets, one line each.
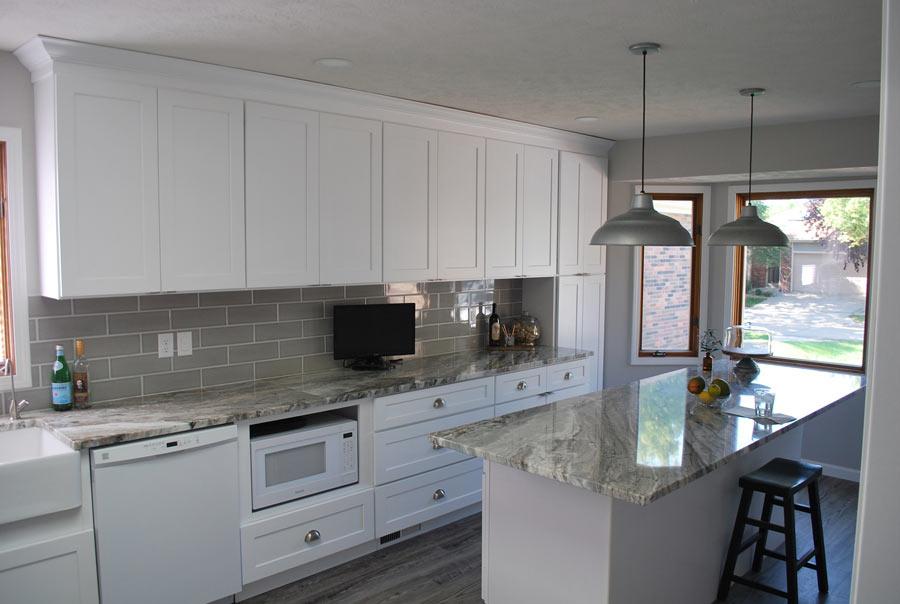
[165, 445]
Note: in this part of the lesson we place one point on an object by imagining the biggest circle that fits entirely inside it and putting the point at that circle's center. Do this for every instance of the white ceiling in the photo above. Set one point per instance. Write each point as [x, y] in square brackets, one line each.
[539, 61]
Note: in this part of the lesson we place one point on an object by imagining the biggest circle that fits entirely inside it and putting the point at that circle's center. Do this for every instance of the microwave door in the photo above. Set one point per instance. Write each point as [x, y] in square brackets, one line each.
[295, 469]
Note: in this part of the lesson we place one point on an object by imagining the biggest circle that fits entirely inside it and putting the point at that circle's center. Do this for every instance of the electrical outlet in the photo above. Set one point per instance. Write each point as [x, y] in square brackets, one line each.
[165, 344]
[185, 344]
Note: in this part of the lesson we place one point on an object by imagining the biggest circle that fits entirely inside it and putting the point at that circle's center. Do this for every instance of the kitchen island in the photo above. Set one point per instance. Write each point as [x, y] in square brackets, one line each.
[628, 495]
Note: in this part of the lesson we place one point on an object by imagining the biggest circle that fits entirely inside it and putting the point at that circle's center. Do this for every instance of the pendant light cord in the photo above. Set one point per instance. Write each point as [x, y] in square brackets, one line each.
[750, 174]
[644, 120]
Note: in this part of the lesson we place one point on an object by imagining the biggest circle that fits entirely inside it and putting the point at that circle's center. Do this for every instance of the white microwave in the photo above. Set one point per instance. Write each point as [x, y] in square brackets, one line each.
[296, 458]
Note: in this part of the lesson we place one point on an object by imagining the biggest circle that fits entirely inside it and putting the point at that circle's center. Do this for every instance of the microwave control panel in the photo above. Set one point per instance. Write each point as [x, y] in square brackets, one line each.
[349, 452]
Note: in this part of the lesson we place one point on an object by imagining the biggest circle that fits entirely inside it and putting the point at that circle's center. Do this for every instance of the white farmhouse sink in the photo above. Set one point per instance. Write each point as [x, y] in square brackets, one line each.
[38, 475]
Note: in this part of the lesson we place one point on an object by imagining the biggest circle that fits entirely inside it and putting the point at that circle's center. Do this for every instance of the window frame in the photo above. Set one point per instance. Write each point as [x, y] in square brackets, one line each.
[17, 286]
[735, 263]
[699, 295]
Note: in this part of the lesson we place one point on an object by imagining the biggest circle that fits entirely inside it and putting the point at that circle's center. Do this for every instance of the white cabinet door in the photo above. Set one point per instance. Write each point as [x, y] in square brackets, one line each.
[349, 199]
[410, 203]
[201, 191]
[107, 198]
[460, 206]
[568, 309]
[582, 209]
[540, 212]
[503, 209]
[61, 570]
[581, 304]
[282, 173]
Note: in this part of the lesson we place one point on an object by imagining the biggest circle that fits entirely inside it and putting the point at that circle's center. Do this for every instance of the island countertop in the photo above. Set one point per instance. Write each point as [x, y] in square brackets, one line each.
[643, 440]
[144, 417]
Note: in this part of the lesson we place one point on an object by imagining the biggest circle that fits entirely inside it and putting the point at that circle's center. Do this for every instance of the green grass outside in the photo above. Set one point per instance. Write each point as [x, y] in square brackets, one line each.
[751, 301]
[844, 352]
[858, 318]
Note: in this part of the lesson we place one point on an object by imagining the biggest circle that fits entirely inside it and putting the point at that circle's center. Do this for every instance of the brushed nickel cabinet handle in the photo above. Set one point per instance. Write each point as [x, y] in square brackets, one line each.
[312, 536]
[439, 494]
[568, 376]
[523, 385]
[436, 446]
[438, 403]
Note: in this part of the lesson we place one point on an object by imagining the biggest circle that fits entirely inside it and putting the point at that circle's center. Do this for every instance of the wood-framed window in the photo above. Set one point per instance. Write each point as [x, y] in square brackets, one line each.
[669, 278]
[7, 345]
[814, 296]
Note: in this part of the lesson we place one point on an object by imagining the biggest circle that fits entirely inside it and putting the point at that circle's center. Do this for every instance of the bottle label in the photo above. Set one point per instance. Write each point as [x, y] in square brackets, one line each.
[61, 394]
[495, 332]
[80, 387]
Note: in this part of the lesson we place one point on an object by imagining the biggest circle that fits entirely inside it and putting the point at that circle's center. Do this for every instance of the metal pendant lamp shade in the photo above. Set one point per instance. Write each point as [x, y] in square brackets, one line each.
[750, 229]
[641, 224]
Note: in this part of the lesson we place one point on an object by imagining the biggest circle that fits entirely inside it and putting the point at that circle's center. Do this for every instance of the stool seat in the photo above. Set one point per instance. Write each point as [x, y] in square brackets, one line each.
[781, 476]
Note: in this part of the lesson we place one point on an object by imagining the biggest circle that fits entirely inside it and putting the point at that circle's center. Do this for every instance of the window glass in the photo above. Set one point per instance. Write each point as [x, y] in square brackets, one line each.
[669, 280]
[812, 295]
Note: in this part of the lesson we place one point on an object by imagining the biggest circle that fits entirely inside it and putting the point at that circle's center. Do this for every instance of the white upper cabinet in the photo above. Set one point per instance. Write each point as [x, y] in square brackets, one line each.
[460, 206]
[582, 209]
[282, 180]
[349, 199]
[100, 226]
[504, 212]
[540, 212]
[410, 203]
[201, 191]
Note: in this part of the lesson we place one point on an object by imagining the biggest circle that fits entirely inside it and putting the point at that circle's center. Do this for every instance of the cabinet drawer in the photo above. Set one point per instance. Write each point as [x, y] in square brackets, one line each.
[521, 384]
[406, 451]
[427, 496]
[568, 375]
[423, 405]
[283, 542]
[521, 404]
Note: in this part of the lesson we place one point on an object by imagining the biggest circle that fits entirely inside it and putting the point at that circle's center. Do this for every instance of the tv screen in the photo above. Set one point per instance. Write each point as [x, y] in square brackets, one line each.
[367, 330]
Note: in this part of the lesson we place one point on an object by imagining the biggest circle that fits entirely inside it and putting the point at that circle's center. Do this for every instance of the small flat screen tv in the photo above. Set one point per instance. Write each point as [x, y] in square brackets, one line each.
[369, 332]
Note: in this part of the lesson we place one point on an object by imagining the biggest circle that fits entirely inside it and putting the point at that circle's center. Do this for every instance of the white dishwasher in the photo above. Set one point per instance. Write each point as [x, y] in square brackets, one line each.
[167, 519]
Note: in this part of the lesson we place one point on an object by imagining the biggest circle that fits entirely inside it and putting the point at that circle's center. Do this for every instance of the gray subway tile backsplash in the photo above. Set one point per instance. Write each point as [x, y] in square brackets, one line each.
[243, 335]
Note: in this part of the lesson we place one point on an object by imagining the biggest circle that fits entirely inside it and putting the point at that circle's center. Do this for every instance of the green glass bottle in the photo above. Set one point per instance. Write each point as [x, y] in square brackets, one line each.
[61, 382]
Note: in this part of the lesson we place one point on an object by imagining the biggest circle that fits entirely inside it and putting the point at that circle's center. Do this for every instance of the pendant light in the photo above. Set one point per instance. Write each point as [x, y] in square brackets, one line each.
[750, 229]
[641, 224]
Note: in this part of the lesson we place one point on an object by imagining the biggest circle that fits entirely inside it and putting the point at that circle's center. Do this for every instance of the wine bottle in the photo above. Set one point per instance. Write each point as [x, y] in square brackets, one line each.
[61, 382]
[81, 395]
[494, 327]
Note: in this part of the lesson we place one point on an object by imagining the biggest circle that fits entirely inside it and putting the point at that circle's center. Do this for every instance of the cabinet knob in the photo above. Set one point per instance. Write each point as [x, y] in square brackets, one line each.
[438, 403]
[439, 494]
[568, 376]
[312, 536]
[523, 385]
[436, 446]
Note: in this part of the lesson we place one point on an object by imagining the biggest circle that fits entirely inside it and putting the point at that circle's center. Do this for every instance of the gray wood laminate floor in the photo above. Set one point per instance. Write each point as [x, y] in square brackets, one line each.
[444, 565]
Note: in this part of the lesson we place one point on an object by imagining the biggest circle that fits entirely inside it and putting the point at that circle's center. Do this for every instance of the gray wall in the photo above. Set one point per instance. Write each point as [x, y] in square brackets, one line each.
[842, 148]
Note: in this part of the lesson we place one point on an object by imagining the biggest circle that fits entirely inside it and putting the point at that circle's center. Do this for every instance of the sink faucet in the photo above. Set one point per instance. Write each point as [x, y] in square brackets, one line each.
[14, 407]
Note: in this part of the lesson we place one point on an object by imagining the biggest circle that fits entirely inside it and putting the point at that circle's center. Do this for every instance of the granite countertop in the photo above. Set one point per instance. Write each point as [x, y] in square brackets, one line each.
[641, 441]
[143, 417]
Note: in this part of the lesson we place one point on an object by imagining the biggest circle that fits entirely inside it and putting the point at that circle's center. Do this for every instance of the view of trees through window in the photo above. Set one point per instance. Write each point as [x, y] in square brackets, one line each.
[812, 295]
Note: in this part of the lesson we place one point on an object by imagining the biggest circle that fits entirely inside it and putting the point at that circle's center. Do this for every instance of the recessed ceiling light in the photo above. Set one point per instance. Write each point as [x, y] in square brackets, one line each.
[333, 62]
[587, 118]
[866, 84]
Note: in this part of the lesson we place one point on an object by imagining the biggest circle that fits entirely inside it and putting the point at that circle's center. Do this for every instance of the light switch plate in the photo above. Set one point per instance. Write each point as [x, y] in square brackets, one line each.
[185, 344]
[165, 344]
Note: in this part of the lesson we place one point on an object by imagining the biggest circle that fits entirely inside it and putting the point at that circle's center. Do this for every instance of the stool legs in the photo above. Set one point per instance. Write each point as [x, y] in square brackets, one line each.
[790, 550]
[763, 533]
[815, 514]
[735, 547]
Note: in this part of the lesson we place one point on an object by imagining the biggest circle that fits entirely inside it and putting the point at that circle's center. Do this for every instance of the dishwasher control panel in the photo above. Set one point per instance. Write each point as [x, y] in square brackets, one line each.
[151, 447]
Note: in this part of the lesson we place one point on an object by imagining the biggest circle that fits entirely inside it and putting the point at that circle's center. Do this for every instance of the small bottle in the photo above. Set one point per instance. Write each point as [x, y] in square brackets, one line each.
[61, 382]
[81, 395]
[494, 327]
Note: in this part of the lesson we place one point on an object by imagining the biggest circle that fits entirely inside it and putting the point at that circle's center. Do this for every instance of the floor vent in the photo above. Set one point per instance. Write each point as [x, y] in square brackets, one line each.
[401, 533]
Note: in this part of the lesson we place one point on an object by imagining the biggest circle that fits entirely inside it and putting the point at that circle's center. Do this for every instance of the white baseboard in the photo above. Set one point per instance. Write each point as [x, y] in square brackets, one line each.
[834, 471]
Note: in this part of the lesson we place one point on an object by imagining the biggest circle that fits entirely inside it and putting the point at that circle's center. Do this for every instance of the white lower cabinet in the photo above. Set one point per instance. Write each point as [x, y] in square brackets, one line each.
[423, 405]
[61, 570]
[520, 404]
[521, 384]
[569, 375]
[283, 542]
[406, 451]
[427, 496]
[581, 306]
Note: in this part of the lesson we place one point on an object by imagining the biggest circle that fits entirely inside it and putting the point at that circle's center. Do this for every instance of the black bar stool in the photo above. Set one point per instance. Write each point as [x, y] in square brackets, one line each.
[779, 480]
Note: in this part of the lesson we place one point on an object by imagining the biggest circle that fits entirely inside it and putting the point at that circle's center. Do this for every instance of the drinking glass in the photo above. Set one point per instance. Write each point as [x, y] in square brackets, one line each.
[764, 399]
